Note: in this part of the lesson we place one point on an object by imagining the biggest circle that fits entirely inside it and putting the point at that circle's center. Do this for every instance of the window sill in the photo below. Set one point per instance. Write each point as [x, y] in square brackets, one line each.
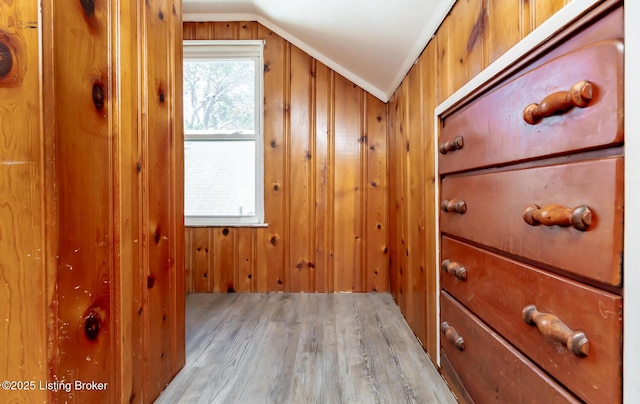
[229, 225]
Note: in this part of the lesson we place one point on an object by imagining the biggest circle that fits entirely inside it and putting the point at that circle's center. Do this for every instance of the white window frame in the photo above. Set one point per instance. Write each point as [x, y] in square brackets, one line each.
[245, 49]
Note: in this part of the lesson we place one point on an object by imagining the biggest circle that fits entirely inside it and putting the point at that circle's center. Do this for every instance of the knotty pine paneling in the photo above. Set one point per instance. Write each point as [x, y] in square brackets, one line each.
[114, 112]
[85, 158]
[326, 196]
[473, 35]
[162, 180]
[24, 292]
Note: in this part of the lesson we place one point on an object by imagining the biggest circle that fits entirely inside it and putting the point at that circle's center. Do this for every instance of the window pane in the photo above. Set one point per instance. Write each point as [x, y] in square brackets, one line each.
[220, 178]
[219, 95]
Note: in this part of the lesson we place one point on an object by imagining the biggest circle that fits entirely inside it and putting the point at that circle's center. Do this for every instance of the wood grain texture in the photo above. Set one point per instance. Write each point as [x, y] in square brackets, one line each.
[430, 101]
[116, 228]
[467, 40]
[325, 178]
[376, 199]
[395, 193]
[300, 263]
[508, 23]
[546, 8]
[24, 294]
[85, 159]
[416, 241]
[324, 348]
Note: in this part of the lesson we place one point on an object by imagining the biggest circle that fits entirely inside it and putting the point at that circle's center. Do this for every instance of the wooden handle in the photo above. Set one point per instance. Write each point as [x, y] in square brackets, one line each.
[578, 95]
[551, 326]
[454, 269]
[454, 144]
[453, 205]
[558, 215]
[452, 335]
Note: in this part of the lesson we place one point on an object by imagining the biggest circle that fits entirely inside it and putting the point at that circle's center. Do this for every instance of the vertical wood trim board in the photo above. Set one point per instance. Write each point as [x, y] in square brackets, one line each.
[325, 184]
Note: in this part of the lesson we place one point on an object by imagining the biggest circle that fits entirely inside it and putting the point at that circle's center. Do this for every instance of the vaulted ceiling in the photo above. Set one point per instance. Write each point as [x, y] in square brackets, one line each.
[373, 43]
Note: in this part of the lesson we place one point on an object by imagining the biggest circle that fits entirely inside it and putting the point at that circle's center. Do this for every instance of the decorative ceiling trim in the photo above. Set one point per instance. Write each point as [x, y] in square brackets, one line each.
[354, 78]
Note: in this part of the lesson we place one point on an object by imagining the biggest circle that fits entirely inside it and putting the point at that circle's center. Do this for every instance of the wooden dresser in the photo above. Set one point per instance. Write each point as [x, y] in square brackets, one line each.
[531, 224]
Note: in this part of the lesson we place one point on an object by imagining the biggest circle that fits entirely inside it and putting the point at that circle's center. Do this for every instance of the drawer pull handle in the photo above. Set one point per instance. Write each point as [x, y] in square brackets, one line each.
[455, 269]
[452, 145]
[551, 326]
[453, 205]
[558, 215]
[452, 335]
[578, 95]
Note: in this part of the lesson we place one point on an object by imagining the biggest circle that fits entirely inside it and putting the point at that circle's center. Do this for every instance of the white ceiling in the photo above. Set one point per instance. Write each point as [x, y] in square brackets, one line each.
[373, 43]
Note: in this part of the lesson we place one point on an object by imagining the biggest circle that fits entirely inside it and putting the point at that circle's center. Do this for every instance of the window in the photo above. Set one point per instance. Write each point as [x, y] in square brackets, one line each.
[223, 142]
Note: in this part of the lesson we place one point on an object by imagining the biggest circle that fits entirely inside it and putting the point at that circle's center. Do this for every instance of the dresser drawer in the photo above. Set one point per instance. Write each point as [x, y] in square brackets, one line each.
[493, 130]
[490, 369]
[495, 215]
[596, 377]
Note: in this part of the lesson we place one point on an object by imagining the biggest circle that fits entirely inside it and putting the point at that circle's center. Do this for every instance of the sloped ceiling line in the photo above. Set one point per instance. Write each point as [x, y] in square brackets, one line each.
[393, 78]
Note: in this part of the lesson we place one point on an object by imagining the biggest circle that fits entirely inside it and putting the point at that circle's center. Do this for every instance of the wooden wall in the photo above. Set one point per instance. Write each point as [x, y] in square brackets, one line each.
[473, 35]
[325, 184]
[91, 233]
[23, 280]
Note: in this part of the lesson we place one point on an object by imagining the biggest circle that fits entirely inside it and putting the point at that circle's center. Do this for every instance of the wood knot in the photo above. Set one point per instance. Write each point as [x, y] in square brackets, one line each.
[92, 325]
[230, 290]
[374, 184]
[276, 187]
[300, 265]
[225, 231]
[97, 94]
[89, 7]
[151, 280]
[273, 144]
[161, 96]
[161, 15]
[307, 155]
[156, 236]
[280, 282]
[6, 60]
[274, 240]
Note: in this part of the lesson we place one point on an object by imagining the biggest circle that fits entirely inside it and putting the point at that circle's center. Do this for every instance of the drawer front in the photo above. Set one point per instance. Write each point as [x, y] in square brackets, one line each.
[493, 129]
[496, 202]
[490, 369]
[498, 289]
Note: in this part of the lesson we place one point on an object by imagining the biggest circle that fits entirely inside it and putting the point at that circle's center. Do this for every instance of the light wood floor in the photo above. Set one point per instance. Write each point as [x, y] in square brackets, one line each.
[302, 348]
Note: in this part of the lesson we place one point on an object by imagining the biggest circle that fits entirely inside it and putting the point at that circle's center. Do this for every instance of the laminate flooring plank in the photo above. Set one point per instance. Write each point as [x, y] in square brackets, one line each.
[302, 348]
[316, 373]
